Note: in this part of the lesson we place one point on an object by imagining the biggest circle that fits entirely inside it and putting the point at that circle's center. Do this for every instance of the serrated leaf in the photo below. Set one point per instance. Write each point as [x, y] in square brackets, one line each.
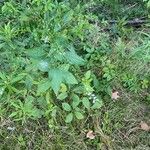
[86, 102]
[69, 78]
[56, 76]
[79, 115]
[66, 106]
[69, 118]
[36, 52]
[43, 87]
[74, 59]
[59, 76]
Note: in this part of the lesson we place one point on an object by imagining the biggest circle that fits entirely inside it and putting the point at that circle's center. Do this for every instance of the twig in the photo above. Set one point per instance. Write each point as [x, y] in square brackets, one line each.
[134, 23]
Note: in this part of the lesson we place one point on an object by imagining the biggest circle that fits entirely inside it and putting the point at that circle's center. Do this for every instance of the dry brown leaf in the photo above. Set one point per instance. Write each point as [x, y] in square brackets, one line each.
[115, 95]
[144, 126]
[90, 135]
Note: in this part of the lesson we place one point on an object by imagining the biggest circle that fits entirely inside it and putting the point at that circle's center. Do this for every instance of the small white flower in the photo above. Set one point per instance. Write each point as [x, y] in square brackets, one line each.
[46, 39]
[93, 95]
[94, 100]
[89, 94]
[43, 64]
[11, 128]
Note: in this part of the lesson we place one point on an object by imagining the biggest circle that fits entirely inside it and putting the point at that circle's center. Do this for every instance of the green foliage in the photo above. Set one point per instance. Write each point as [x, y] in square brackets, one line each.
[148, 2]
[44, 44]
[60, 63]
[24, 111]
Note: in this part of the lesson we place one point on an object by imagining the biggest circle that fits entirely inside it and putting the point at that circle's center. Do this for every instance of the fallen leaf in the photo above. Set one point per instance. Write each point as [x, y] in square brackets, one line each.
[115, 95]
[90, 135]
[144, 126]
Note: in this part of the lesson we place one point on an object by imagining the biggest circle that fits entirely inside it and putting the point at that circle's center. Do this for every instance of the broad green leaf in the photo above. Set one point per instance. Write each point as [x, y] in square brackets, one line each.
[79, 89]
[96, 83]
[74, 59]
[69, 118]
[88, 74]
[43, 66]
[28, 82]
[66, 106]
[62, 96]
[79, 115]
[56, 76]
[42, 101]
[36, 52]
[69, 78]
[36, 113]
[43, 87]
[64, 67]
[98, 104]
[86, 102]
[75, 101]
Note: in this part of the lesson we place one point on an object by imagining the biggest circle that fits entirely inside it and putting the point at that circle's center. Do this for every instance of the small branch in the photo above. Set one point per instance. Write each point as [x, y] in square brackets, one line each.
[135, 23]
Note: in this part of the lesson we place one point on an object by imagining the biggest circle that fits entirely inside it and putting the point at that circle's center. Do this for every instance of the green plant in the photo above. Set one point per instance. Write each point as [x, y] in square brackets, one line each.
[24, 111]
[67, 71]
[148, 2]
[79, 106]
[108, 70]
[8, 82]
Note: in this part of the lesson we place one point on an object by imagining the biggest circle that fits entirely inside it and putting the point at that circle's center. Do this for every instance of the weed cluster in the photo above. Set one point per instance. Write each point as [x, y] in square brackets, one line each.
[61, 75]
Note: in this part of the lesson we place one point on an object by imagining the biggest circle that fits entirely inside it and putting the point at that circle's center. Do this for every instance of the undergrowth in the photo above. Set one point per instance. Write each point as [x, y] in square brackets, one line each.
[70, 79]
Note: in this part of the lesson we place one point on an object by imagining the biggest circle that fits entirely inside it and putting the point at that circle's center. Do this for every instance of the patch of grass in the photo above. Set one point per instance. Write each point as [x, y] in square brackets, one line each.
[58, 73]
